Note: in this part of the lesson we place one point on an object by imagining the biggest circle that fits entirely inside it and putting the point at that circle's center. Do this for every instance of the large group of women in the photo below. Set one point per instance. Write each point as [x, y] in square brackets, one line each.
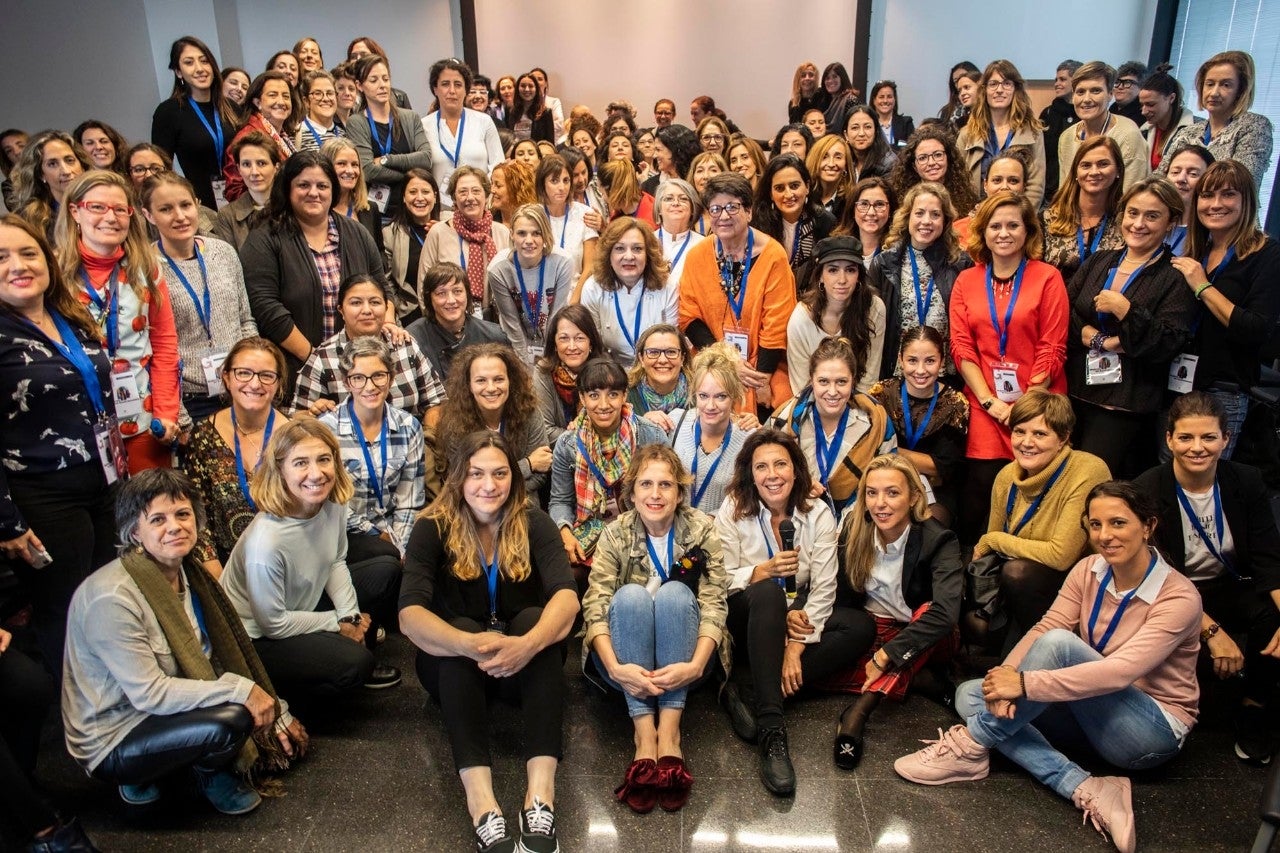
[803, 415]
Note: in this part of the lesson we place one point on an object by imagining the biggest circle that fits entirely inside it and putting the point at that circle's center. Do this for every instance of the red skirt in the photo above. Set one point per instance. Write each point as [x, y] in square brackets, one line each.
[893, 683]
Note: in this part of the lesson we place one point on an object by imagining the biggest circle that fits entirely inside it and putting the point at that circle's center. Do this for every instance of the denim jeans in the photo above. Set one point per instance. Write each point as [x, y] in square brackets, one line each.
[1126, 727]
[651, 632]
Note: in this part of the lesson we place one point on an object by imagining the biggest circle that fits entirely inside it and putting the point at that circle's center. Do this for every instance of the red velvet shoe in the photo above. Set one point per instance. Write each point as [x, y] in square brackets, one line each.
[639, 788]
[674, 783]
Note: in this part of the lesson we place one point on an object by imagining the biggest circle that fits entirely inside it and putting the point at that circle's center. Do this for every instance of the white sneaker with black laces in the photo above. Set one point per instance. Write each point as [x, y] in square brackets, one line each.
[538, 829]
[492, 835]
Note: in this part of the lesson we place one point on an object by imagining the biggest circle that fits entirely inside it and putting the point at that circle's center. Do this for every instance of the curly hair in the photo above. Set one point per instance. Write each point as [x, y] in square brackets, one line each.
[656, 267]
[33, 197]
[956, 180]
[460, 415]
[899, 229]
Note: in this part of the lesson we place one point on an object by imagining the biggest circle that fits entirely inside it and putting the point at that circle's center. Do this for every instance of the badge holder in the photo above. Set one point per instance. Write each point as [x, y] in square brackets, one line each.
[220, 193]
[380, 194]
[1006, 386]
[106, 435]
[212, 367]
[125, 391]
[736, 337]
[496, 625]
[1102, 368]
[1182, 373]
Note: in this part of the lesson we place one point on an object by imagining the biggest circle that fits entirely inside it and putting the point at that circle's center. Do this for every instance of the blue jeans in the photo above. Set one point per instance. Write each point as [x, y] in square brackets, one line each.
[1125, 727]
[651, 632]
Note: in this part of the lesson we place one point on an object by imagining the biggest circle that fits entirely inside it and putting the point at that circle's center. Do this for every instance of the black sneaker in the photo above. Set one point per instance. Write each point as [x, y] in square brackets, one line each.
[741, 718]
[492, 835]
[1256, 740]
[776, 772]
[382, 677]
[538, 829]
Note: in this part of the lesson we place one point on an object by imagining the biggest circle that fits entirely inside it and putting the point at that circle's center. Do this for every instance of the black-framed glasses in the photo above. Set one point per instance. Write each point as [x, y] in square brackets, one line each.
[141, 170]
[931, 157]
[733, 208]
[379, 379]
[655, 353]
[244, 374]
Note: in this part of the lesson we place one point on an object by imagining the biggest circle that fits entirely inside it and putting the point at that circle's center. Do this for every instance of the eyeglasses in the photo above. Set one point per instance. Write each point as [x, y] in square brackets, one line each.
[677, 200]
[146, 170]
[323, 96]
[877, 206]
[654, 353]
[358, 380]
[712, 137]
[571, 339]
[1001, 85]
[733, 208]
[97, 208]
[1126, 83]
[244, 374]
[935, 157]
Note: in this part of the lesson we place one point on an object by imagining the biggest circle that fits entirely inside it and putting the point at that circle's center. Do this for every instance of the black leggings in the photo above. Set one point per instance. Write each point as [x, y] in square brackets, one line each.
[26, 692]
[979, 476]
[207, 739]
[1029, 589]
[464, 692]
[1251, 618]
[1121, 439]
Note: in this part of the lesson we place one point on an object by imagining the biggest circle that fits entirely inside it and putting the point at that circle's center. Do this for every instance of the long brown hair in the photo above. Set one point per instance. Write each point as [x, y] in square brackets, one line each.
[58, 296]
[1245, 237]
[742, 487]
[460, 415]
[140, 261]
[1022, 115]
[860, 547]
[1062, 217]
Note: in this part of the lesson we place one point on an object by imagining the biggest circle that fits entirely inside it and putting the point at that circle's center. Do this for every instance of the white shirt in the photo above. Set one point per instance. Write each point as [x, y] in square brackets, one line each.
[570, 232]
[480, 147]
[1201, 564]
[884, 586]
[659, 546]
[673, 245]
[656, 306]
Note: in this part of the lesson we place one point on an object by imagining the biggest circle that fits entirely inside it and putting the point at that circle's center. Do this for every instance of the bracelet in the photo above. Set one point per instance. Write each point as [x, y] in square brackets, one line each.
[1097, 341]
[1202, 288]
[1209, 633]
[873, 662]
[1022, 681]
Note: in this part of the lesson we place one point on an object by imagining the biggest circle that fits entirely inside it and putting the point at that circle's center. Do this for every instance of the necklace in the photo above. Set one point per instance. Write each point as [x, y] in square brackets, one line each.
[246, 432]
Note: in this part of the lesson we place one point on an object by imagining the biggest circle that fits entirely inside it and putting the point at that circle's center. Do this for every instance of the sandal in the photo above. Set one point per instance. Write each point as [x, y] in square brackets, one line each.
[639, 788]
[674, 783]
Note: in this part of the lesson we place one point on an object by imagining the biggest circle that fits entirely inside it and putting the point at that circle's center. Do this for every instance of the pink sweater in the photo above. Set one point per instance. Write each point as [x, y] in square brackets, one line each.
[1153, 648]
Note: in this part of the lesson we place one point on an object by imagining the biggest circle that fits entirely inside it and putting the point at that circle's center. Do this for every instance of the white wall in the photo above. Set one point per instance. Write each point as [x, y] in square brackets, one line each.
[743, 54]
[915, 42]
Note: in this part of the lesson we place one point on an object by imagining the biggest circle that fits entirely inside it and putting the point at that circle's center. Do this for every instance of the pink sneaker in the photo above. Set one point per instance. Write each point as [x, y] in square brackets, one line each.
[1108, 802]
[953, 757]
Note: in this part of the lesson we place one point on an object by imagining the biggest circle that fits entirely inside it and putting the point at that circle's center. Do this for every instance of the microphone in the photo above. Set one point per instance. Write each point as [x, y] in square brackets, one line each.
[787, 532]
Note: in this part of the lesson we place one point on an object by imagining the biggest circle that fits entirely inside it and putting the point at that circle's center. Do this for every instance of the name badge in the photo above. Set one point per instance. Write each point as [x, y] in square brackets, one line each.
[380, 194]
[1006, 387]
[220, 193]
[930, 497]
[535, 353]
[737, 340]
[106, 435]
[1102, 368]
[496, 625]
[212, 366]
[124, 389]
[1182, 373]
[611, 510]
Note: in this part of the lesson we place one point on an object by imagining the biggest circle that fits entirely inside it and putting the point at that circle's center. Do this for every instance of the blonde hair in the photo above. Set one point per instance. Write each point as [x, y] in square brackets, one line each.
[899, 229]
[618, 179]
[140, 261]
[795, 81]
[1062, 216]
[535, 214]
[268, 488]
[1243, 64]
[860, 552]
[820, 148]
[663, 453]
[721, 361]
[360, 195]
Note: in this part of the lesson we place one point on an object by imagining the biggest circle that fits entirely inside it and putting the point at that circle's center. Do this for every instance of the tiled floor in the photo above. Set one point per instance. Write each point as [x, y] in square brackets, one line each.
[381, 779]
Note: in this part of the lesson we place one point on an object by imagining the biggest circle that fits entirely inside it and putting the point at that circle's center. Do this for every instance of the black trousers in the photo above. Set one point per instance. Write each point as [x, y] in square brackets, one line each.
[1251, 618]
[1121, 439]
[465, 691]
[206, 739]
[26, 692]
[1029, 589]
[978, 477]
[758, 623]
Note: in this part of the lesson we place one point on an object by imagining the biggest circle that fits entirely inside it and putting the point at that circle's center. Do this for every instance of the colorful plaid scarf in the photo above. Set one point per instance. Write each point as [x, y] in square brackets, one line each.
[611, 456]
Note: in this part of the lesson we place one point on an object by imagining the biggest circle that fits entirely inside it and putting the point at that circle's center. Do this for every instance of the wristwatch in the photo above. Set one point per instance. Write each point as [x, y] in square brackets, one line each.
[1209, 633]
[354, 619]
[988, 403]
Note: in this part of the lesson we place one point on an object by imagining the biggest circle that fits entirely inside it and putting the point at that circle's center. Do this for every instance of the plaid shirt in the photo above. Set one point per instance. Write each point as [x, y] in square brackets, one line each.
[329, 265]
[403, 492]
[415, 387]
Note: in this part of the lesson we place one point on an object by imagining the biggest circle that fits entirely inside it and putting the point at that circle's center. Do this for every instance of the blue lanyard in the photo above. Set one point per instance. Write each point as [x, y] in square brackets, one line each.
[564, 229]
[827, 455]
[413, 232]
[680, 254]
[1008, 314]
[198, 609]
[384, 148]
[457, 141]
[888, 134]
[462, 254]
[1179, 237]
[214, 129]
[375, 482]
[617, 309]
[736, 305]
[1035, 504]
[1093, 245]
[311, 128]
[671, 552]
[491, 575]
[110, 306]
[1208, 131]
[1226, 259]
[235, 438]
[1219, 523]
[532, 310]
[1111, 276]
[204, 308]
[699, 491]
[73, 351]
[993, 147]
[591, 466]
[911, 436]
[795, 246]
[1120, 609]
[923, 301]
[768, 546]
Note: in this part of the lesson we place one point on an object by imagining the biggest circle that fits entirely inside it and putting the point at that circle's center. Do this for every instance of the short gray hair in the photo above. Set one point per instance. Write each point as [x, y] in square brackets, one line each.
[695, 203]
[141, 489]
[365, 345]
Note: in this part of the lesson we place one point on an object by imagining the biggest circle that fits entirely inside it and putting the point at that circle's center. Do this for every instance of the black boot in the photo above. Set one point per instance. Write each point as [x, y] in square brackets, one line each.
[741, 716]
[776, 772]
[67, 838]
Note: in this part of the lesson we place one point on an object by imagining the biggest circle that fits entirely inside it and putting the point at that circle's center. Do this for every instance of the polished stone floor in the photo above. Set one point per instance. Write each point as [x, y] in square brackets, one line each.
[381, 779]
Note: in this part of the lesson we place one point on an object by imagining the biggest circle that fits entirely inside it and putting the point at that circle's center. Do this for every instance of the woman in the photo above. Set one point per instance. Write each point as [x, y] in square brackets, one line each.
[575, 227]
[779, 549]
[529, 282]
[806, 93]
[45, 169]
[227, 448]
[901, 577]
[529, 117]
[584, 135]
[703, 433]
[363, 306]
[791, 139]
[967, 93]
[1225, 87]
[512, 185]
[642, 146]
[843, 97]
[872, 155]
[828, 164]
[1186, 166]
[1130, 311]
[591, 457]
[894, 126]
[295, 266]
[674, 148]
[320, 123]
[446, 325]
[721, 300]
[286, 63]
[622, 192]
[1215, 526]
[816, 121]
[258, 159]
[678, 206]
[1024, 348]
[1225, 269]
[144, 160]
[956, 111]
[471, 236]
[931, 155]
[506, 89]
[930, 418]
[472, 636]
[310, 57]
[917, 271]
[572, 341]
[56, 501]
[103, 247]
[1136, 675]
[348, 89]
[703, 168]
[1036, 501]
[871, 208]
[274, 112]
[362, 47]
[196, 123]
[352, 195]
[1083, 217]
[1007, 173]
[784, 211]
[746, 157]
[839, 428]
[210, 308]
[655, 621]
[235, 88]
[1091, 88]
[713, 134]
[457, 136]
[404, 238]
[391, 139]
[137, 632]
[628, 291]
[12, 142]
[1165, 112]
[526, 151]
[660, 379]
[103, 143]
[292, 561]
[387, 498]
[1002, 119]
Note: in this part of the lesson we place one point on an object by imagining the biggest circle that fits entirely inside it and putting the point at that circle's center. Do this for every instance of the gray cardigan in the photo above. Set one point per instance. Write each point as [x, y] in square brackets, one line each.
[408, 130]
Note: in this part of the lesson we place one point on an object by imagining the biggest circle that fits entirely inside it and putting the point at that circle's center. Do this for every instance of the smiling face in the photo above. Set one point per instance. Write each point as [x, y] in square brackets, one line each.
[860, 132]
[656, 494]
[1146, 223]
[376, 86]
[921, 363]
[584, 142]
[527, 89]
[468, 197]
[931, 160]
[236, 87]
[478, 97]
[999, 91]
[251, 396]
[24, 270]
[1091, 98]
[257, 169]
[675, 208]
[1006, 234]
[309, 475]
[451, 91]
[1061, 82]
[1035, 445]
[662, 158]
[364, 307]
[740, 161]
[507, 91]
[627, 257]
[773, 475]
[872, 207]
[1185, 171]
[885, 101]
[449, 302]
[374, 376]
[490, 386]
[839, 280]
[101, 151]
[1005, 175]
[604, 408]
[526, 238]
[644, 143]
[888, 498]
[831, 82]
[662, 359]
[59, 166]
[195, 70]
[1156, 107]
[926, 221]
[833, 166]
[808, 80]
[1221, 210]
[419, 199]
[103, 233]
[715, 406]
[347, 164]
[832, 387]
[581, 174]
[1116, 532]
[573, 347]
[174, 212]
[526, 151]
[713, 138]
[287, 65]
[309, 56]
[144, 163]
[703, 172]
[1220, 90]
[1097, 171]
[729, 226]
[311, 194]
[487, 484]
[14, 144]
[167, 529]
[498, 190]
[789, 193]
[275, 103]
[322, 101]
[1197, 443]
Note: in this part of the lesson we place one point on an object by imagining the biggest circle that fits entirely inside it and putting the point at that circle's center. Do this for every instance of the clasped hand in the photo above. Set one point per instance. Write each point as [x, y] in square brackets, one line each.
[502, 655]
[1001, 688]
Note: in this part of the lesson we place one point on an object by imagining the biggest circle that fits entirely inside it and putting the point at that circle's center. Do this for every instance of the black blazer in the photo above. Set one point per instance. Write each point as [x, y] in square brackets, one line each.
[1246, 502]
[931, 571]
[903, 127]
[885, 275]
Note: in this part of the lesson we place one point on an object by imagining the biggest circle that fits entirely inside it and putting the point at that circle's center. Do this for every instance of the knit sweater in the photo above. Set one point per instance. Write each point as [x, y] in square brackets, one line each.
[1133, 149]
[503, 285]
